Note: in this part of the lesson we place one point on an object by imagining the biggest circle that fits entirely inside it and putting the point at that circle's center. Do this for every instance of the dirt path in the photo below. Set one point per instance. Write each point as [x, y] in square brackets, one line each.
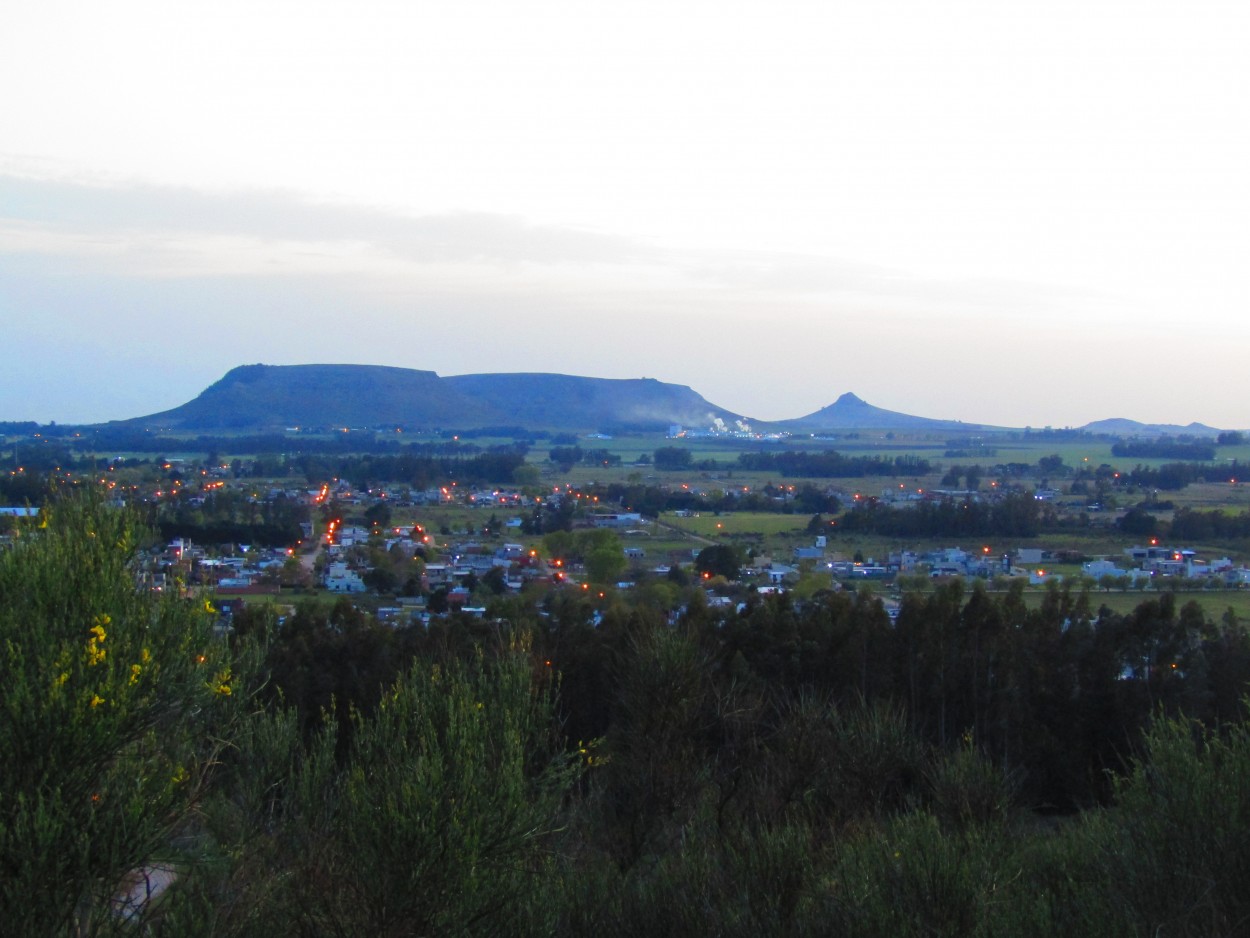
[699, 539]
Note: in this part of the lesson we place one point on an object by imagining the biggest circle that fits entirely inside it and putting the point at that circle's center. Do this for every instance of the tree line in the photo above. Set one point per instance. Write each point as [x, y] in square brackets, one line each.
[831, 464]
[1164, 448]
[1015, 514]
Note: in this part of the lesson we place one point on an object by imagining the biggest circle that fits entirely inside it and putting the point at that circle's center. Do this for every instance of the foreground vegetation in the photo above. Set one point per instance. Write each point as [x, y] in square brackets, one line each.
[980, 767]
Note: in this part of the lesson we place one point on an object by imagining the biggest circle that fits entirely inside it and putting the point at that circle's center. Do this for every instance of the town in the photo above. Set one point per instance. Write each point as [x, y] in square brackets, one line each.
[621, 670]
[242, 531]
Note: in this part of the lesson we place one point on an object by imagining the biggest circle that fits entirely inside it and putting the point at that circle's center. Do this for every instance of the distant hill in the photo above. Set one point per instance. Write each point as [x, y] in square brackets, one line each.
[849, 412]
[1120, 426]
[277, 396]
[255, 398]
[267, 397]
[545, 400]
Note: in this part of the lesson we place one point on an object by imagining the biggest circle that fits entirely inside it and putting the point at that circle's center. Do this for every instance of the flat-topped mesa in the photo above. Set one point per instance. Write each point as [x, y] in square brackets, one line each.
[270, 397]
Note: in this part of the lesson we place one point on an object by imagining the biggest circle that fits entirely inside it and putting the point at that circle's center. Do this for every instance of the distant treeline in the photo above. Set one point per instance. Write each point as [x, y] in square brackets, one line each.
[25, 489]
[1189, 524]
[1174, 476]
[227, 517]
[651, 500]
[417, 470]
[1015, 515]
[1163, 448]
[833, 465]
[568, 456]
[356, 441]
[257, 534]
[18, 427]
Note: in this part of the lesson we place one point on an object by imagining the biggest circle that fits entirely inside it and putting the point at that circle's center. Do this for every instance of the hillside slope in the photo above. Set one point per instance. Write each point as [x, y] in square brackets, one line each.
[268, 397]
[849, 412]
[538, 400]
[275, 396]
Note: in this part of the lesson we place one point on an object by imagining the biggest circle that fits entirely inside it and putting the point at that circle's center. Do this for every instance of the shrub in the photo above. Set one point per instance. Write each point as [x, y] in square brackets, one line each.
[112, 697]
[967, 788]
[911, 878]
[434, 820]
[1177, 858]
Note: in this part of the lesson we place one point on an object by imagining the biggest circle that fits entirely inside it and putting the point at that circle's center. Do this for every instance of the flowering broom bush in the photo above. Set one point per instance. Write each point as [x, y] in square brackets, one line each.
[110, 696]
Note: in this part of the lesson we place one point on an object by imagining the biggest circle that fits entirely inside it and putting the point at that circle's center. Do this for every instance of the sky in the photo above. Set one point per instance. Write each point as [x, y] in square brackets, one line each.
[1022, 214]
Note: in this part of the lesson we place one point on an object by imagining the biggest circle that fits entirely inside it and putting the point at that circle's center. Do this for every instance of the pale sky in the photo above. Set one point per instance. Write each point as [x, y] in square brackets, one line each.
[1008, 213]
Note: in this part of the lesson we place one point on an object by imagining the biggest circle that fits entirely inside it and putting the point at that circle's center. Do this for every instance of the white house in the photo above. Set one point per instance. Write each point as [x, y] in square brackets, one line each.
[339, 579]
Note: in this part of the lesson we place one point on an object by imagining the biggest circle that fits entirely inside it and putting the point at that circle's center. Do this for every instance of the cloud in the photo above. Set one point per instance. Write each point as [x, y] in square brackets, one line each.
[140, 212]
[155, 232]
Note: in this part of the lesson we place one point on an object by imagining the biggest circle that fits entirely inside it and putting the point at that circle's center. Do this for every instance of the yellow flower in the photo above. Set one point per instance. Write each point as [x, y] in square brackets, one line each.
[222, 682]
[145, 656]
[96, 700]
[180, 775]
[134, 673]
[209, 607]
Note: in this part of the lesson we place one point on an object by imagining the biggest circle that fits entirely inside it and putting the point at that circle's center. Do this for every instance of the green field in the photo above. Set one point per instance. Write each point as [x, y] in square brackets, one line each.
[738, 524]
[1214, 603]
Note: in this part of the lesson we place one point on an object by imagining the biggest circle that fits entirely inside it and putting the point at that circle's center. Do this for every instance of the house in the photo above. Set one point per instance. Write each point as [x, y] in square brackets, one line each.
[904, 561]
[626, 519]
[1145, 555]
[777, 573]
[869, 571]
[339, 579]
[1099, 568]
[437, 573]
